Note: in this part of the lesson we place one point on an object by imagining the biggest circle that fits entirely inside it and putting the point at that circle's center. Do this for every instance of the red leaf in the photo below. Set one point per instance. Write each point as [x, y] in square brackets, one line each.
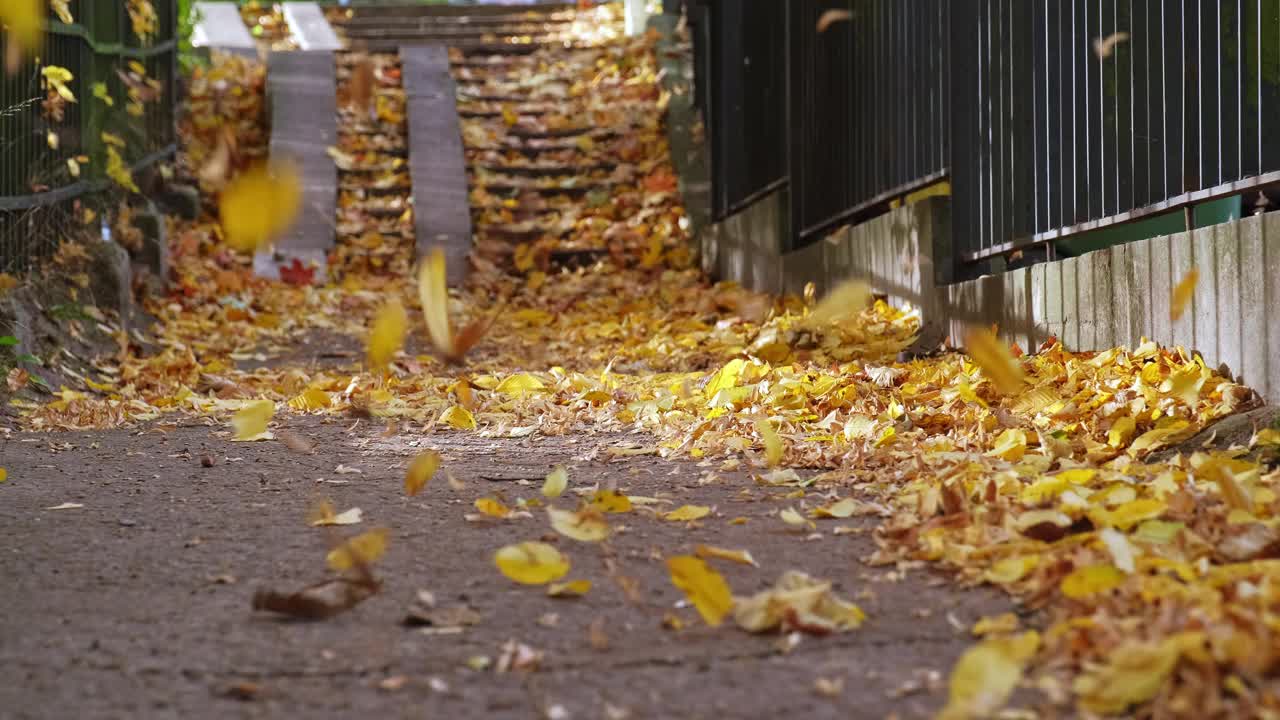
[297, 273]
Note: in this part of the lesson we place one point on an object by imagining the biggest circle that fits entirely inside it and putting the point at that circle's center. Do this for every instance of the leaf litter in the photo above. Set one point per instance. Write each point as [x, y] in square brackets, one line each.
[1034, 470]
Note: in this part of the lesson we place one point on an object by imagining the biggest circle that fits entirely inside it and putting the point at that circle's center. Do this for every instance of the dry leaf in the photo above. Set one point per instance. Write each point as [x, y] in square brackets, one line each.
[986, 674]
[556, 482]
[610, 501]
[688, 512]
[996, 361]
[250, 422]
[704, 587]
[421, 469]
[831, 17]
[586, 525]
[387, 335]
[738, 556]
[772, 443]
[572, 588]
[1182, 294]
[63, 506]
[844, 302]
[797, 602]
[362, 550]
[1104, 46]
[323, 514]
[259, 205]
[319, 601]
[531, 563]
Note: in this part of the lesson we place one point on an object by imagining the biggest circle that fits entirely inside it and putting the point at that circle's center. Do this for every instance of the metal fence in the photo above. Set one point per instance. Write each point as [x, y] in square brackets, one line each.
[53, 153]
[1049, 117]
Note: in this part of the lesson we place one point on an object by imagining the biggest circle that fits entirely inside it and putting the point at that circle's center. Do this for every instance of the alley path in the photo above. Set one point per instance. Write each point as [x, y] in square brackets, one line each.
[161, 510]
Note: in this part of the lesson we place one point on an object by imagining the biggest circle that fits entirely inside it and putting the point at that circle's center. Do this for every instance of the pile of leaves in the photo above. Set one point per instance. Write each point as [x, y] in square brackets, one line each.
[1034, 473]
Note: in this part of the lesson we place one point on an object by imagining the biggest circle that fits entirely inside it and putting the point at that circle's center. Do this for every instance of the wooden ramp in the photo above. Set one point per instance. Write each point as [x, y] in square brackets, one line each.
[304, 126]
[442, 215]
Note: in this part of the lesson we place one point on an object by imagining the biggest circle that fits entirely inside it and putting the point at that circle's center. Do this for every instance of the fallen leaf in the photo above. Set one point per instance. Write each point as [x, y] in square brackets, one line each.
[596, 635]
[1133, 673]
[828, 687]
[458, 417]
[610, 501]
[363, 549]
[986, 674]
[831, 17]
[572, 588]
[556, 482]
[1000, 624]
[319, 601]
[1182, 294]
[1091, 580]
[531, 563]
[847, 300]
[704, 587]
[795, 519]
[517, 656]
[997, 363]
[586, 525]
[393, 683]
[738, 556]
[842, 509]
[688, 512]
[323, 514]
[421, 469]
[4, 475]
[387, 334]
[797, 602]
[259, 205]
[494, 508]
[772, 443]
[63, 506]
[250, 422]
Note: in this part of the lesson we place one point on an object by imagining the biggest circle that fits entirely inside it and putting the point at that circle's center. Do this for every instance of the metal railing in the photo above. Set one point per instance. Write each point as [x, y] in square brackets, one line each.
[53, 153]
[1098, 112]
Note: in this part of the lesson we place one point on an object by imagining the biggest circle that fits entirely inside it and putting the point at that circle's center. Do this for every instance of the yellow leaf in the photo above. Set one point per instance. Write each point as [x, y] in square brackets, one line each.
[1158, 437]
[51, 139]
[1128, 514]
[1011, 445]
[1091, 580]
[531, 563]
[309, 400]
[688, 512]
[509, 116]
[433, 292]
[459, 417]
[997, 363]
[611, 501]
[888, 437]
[572, 588]
[1011, 569]
[586, 525]
[1182, 294]
[250, 423]
[323, 514]
[493, 508]
[259, 205]
[795, 519]
[842, 509]
[1185, 385]
[845, 301]
[363, 549]
[4, 474]
[986, 674]
[704, 587]
[997, 625]
[387, 335]
[772, 443]
[556, 482]
[24, 20]
[1120, 432]
[58, 77]
[739, 556]
[118, 171]
[1133, 673]
[421, 469]
[519, 385]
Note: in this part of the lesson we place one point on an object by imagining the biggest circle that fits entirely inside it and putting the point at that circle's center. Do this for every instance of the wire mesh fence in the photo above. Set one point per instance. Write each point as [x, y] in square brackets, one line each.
[79, 116]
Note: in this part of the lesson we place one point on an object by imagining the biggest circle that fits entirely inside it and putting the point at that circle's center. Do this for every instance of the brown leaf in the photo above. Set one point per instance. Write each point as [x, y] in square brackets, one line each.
[1104, 46]
[319, 601]
[17, 379]
[360, 87]
[597, 636]
[831, 17]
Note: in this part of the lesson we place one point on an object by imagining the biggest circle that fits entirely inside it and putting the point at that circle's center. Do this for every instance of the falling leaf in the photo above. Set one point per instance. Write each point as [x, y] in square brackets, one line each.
[556, 482]
[494, 508]
[250, 422]
[58, 77]
[531, 563]
[842, 509]
[259, 205]
[433, 292]
[610, 501]
[360, 87]
[1011, 445]
[586, 525]
[739, 556]
[1104, 46]
[704, 587]
[4, 475]
[387, 335]
[320, 601]
[795, 519]
[421, 469]
[1182, 294]
[363, 549]
[998, 625]
[772, 443]
[1133, 673]
[845, 301]
[63, 506]
[996, 361]
[323, 514]
[831, 17]
[986, 674]
[23, 22]
[572, 588]
[688, 512]
[100, 92]
[1121, 431]
[458, 417]
[797, 602]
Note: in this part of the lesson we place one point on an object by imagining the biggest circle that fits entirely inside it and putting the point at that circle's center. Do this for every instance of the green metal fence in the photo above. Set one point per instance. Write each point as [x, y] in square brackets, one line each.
[56, 156]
